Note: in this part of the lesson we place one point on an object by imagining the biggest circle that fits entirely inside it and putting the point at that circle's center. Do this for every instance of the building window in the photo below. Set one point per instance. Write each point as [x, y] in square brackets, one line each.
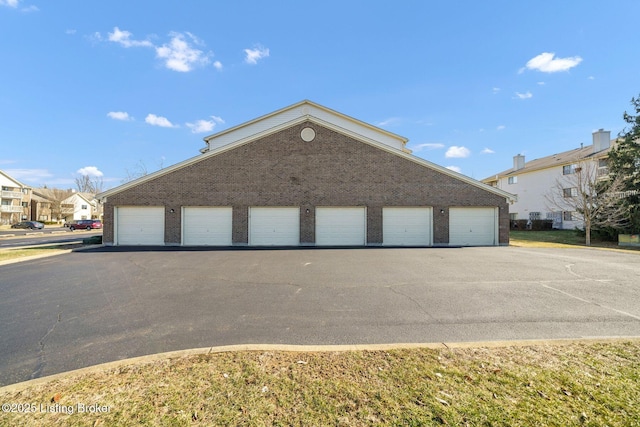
[568, 216]
[43, 217]
[534, 216]
[569, 192]
[5, 188]
[513, 216]
[568, 169]
[513, 179]
[25, 204]
[84, 207]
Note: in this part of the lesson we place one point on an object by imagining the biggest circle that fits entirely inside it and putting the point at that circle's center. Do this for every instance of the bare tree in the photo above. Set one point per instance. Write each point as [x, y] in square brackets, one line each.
[138, 171]
[86, 184]
[595, 202]
[55, 197]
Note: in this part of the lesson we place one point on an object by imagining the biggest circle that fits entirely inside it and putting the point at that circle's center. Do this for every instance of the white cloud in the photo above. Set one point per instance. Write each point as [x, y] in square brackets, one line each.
[90, 171]
[428, 146]
[253, 55]
[9, 3]
[30, 175]
[200, 126]
[179, 55]
[388, 122]
[524, 95]
[454, 168]
[124, 38]
[120, 115]
[457, 152]
[31, 8]
[496, 90]
[591, 78]
[501, 127]
[154, 120]
[487, 151]
[70, 32]
[541, 83]
[548, 63]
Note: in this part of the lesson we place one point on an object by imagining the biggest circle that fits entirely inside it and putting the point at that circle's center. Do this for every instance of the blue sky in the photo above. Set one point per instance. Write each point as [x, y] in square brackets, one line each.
[101, 88]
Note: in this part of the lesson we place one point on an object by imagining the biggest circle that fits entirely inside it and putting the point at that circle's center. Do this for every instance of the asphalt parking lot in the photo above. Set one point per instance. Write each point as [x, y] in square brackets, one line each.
[84, 308]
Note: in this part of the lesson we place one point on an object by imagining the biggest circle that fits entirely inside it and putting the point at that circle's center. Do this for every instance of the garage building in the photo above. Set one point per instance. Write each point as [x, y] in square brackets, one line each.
[306, 175]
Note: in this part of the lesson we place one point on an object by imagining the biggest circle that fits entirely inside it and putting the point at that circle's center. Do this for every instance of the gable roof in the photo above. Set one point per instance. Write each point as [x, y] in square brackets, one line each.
[10, 179]
[265, 125]
[559, 159]
[298, 113]
[87, 197]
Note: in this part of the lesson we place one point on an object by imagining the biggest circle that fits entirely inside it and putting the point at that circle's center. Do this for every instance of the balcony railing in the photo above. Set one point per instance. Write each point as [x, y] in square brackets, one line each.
[11, 208]
[602, 171]
[11, 194]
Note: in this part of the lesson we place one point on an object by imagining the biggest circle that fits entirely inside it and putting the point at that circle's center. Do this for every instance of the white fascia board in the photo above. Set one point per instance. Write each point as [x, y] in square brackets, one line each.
[510, 197]
[102, 196]
[306, 109]
[330, 125]
[11, 181]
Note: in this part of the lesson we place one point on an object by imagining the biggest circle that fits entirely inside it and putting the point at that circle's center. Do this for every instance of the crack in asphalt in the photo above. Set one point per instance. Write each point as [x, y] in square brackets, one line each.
[606, 307]
[410, 298]
[42, 355]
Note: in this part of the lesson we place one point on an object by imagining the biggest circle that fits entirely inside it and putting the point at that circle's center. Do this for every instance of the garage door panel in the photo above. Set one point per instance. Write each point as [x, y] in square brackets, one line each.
[207, 226]
[472, 226]
[274, 226]
[341, 226]
[407, 226]
[140, 225]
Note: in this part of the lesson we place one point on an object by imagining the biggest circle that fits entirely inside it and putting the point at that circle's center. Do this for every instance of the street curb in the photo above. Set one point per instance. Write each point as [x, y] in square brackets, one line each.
[543, 245]
[141, 360]
[59, 252]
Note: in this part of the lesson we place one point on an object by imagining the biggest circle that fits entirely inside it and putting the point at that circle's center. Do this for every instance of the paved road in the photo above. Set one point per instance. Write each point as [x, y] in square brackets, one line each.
[17, 238]
[91, 307]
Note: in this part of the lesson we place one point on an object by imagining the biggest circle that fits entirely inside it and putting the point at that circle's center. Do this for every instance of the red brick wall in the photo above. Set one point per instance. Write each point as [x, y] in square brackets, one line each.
[283, 170]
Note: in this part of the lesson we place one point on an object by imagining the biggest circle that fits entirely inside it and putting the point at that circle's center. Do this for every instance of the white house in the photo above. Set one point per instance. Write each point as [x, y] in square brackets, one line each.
[534, 180]
[15, 199]
[80, 206]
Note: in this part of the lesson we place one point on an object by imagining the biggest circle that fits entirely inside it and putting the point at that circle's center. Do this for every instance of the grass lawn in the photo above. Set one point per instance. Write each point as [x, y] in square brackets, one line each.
[590, 384]
[21, 253]
[557, 238]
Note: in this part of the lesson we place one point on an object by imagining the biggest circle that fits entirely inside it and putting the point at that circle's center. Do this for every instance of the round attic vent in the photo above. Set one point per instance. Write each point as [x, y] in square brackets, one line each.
[308, 134]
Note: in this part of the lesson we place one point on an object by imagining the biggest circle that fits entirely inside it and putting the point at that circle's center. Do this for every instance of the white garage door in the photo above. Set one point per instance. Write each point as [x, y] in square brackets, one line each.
[139, 225]
[473, 226]
[206, 226]
[407, 226]
[341, 226]
[274, 226]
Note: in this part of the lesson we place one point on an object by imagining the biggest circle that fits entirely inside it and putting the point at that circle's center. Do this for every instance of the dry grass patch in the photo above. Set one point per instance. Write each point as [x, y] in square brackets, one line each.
[9, 254]
[579, 384]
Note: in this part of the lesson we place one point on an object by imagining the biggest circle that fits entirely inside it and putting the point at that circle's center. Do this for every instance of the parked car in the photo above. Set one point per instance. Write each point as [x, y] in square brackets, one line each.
[29, 224]
[70, 223]
[85, 224]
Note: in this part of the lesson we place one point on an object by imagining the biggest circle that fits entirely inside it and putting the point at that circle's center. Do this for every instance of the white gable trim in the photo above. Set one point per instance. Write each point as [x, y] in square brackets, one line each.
[304, 109]
[9, 181]
[294, 120]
